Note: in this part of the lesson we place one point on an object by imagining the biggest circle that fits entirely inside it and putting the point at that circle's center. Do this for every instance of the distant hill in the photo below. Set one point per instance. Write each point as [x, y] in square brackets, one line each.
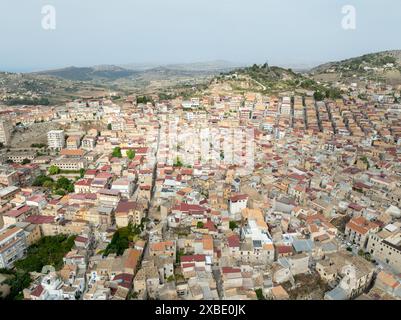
[108, 72]
[112, 72]
[210, 66]
[165, 72]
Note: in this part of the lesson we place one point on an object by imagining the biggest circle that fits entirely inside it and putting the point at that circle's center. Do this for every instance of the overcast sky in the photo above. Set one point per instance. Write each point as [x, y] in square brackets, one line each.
[286, 32]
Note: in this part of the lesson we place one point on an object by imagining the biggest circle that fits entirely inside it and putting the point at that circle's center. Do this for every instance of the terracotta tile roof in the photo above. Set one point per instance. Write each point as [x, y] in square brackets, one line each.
[36, 219]
[233, 241]
[189, 208]
[18, 212]
[283, 249]
[239, 197]
[226, 270]
[83, 182]
[210, 226]
[192, 258]
[161, 246]
[207, 242]
[37, 291]
[124, 280]
[132, 258]
[126, 206]
[361, 225]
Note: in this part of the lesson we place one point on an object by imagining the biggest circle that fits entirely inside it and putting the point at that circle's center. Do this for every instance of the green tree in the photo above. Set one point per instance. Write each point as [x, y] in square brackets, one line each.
[133, 295]
[47, 251]
[233, 225]
[179, 254]
[38, 145]
[117, 152]
[178, 162]
[131, 154]
[81, 173]
[333, 93]
[18, 282]
[60, 192]
[48, 184]
[259, 294]
[65, 184]
[54, 170]
[318, 96]
[41, 180]
[26, 161]
[200, 225]
[143, 100]
[121, 239]
[109, 126]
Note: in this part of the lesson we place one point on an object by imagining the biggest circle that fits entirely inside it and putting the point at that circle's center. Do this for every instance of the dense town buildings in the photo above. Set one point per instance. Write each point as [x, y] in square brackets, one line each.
[224, 196]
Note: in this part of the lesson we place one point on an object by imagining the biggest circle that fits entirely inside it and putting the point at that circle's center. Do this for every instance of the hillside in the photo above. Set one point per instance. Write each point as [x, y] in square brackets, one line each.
[381, 66]
[269, 79]
[105, 72]
[34, 89]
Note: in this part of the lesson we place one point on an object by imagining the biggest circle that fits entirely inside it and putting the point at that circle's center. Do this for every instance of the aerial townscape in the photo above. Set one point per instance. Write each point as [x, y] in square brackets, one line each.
[202, 182]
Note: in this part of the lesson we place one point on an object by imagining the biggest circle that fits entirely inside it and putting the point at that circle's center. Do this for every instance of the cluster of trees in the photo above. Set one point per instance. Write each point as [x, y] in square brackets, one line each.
[143, 99]
[43, 181]
[38, 145]
[47, 251]
[166, 96]
[178, 162]
[53, 170]
[179, 254]
[332, 93]
[118, 154]
[27, 101]
[61, 186]
[318, 96]
[122, 238]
